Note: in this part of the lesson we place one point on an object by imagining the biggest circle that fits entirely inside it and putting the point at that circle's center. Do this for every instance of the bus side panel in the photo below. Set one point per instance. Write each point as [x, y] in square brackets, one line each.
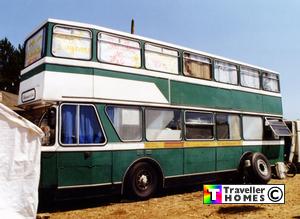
[254, 148]
[121, 161]
[272, 104]
[48, 178]
[162, 84]
[183, 94]
[170, 160]
[228, 157]
[274, 153]
[247, 101]
[84, 168]
[198, 160]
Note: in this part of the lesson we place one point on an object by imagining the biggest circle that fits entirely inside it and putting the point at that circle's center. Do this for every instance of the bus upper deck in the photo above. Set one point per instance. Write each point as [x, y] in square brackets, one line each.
[86, 62]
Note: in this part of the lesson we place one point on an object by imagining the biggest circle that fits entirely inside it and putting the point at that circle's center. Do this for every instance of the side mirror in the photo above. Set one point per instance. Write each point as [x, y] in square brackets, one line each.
[52, 118]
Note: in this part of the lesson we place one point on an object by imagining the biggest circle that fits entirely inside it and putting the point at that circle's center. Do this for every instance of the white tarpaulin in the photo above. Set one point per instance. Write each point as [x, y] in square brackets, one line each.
[19, 165]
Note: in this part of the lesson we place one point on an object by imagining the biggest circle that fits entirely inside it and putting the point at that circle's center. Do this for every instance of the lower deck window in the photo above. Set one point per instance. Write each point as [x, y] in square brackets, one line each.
[80, 125]
[252, 127]
[228, 126]
[163, 124]
[199, 125]
[126, 121]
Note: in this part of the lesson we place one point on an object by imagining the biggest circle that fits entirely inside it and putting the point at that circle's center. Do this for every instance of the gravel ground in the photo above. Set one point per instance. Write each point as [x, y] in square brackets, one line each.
[180, 203]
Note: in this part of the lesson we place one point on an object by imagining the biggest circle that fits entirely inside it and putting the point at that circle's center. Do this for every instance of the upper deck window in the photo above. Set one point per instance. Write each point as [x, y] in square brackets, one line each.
[34, 47]
[226, 72]
[250, 78]
[161, 59]
[270, 82]
[197, 66]
[120, 51]
[69, 42]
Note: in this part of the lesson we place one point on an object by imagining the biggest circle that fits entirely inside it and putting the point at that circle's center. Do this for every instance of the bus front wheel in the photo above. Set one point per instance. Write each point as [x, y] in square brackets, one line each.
[142, 180]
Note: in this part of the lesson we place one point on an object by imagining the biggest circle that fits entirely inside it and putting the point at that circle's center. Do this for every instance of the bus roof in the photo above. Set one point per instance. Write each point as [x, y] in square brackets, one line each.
[100, 28]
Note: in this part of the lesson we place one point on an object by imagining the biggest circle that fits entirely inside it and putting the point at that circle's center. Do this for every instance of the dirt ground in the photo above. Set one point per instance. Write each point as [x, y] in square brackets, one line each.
[182, 203]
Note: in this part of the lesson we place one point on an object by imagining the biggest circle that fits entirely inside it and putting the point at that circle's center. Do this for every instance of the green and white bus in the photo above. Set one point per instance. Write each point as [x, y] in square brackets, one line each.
[127, 113]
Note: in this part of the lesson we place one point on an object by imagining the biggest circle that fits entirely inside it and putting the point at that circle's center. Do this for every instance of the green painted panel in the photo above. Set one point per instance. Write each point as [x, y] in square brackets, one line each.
[197, 160]
[170, 160]
[49, 39]
[247, 101]
[110, 132]
[274, 153]
[69, 69]
[75, 168]
[272, 104]
[193, 94]
[122, 160]
[183, 93]
[161, 83]
[255, 148]
[228, 157]
[48, 177]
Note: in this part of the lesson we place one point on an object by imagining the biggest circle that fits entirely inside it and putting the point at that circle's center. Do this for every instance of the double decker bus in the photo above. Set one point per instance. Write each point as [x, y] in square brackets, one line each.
[131, 114]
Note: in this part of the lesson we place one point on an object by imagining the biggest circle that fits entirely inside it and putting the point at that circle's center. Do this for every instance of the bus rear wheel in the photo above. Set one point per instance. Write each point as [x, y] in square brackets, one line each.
[142, 181]
[260, 169]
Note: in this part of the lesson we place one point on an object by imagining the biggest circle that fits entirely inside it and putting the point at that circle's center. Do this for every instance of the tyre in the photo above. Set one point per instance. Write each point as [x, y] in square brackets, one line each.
[260, 170]
[142, 181]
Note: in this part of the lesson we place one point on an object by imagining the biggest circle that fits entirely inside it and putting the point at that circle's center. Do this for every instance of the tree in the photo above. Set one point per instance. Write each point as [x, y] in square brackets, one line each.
[11, 63]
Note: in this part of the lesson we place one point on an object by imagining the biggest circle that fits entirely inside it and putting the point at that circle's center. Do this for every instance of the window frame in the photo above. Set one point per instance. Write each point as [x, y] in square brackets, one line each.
[267, 124]
[121, 37]
[230, 63]
[259, 77]
[195, 54]
[242, 124]
[141, 120]
[162, 47]
[163, 109]
[240, 127]
[71, 27]
[277, 79]
[78, 123]
[212, 124]
[44, 44]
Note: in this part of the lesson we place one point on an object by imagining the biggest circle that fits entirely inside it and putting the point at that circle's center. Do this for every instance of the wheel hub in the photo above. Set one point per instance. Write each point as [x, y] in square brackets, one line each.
[262, 167]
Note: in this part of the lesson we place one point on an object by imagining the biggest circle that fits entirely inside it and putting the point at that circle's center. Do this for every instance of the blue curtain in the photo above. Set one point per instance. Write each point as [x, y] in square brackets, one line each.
[111, 113]
[68, 135]
[89, 130]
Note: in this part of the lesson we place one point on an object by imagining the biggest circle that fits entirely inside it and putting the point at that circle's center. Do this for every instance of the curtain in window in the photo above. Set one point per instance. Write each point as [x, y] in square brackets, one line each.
[225, 72]
[197, 66]
[249, 78]
[68, 133]
[163, 125]
[270, 82]
[89, 129]
[234, 124]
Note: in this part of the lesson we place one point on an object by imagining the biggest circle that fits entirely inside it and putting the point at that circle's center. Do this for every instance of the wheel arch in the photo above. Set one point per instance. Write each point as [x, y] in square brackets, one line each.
[243, 158]
[149, 160]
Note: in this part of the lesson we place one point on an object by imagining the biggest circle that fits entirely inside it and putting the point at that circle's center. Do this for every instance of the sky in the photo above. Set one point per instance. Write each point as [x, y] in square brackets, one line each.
[264, 33]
